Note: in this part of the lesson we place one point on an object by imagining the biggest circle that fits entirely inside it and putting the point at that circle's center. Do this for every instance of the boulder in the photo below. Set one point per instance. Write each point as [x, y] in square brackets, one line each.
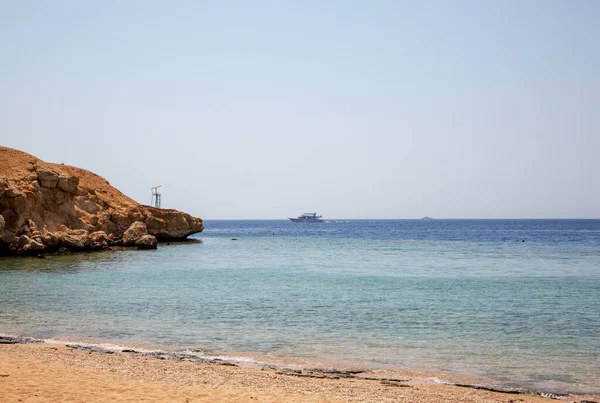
[47, 177]
[146, 242]
[50, 240]
[31, 247]
[176, 225]
[2, 222]
[97, 240]
[68, 184]
[134, 232]
[74, 239]
[26, 245]
[22, 241]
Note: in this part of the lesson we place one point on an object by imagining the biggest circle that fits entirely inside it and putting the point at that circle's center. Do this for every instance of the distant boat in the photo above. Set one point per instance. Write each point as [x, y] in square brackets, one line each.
[307, 217]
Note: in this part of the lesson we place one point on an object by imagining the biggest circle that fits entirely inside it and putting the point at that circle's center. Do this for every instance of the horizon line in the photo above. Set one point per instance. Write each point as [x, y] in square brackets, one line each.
[415, 219]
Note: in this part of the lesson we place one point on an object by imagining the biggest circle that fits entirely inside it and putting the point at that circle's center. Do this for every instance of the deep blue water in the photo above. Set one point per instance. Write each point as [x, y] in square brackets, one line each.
[580, 232]
[466, 296]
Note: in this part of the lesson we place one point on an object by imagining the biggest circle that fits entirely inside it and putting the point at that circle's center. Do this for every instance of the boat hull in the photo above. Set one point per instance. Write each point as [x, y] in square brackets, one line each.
[307, 221]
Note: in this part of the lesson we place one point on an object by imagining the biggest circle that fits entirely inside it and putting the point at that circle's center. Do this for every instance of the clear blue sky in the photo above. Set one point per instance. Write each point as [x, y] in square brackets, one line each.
[267, 109]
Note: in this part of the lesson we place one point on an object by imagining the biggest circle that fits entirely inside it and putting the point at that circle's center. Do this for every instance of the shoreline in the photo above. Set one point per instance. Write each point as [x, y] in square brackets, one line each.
[423, 386]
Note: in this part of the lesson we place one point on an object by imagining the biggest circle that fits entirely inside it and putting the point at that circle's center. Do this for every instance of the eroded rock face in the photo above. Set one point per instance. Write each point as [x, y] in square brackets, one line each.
[59, 206]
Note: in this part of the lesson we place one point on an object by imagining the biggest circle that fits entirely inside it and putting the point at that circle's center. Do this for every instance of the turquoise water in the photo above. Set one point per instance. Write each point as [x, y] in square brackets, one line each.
[461, 296]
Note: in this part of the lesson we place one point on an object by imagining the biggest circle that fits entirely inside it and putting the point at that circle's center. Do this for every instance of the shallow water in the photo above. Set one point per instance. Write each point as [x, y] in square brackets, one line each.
[462, 296]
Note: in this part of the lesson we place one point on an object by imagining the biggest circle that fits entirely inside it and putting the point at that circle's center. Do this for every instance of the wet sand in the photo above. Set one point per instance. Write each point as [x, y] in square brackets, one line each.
[51, 373]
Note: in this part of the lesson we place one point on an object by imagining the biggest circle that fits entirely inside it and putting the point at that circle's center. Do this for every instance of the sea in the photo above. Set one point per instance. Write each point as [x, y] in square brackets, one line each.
[515, 302]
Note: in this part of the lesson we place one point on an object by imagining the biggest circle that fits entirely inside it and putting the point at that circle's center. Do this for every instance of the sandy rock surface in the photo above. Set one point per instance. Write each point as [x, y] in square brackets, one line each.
[56, 205]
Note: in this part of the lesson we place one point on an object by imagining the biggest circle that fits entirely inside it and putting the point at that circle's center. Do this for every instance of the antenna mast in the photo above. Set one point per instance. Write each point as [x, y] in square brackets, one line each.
[155, 201]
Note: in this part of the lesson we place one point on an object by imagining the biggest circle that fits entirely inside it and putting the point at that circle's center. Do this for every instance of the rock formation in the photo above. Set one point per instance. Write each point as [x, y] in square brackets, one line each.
[146, 242]
[45, 207]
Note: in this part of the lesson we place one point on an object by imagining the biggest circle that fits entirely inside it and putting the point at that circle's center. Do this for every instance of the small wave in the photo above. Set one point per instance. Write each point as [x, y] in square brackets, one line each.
[19, 339]
[117, 348]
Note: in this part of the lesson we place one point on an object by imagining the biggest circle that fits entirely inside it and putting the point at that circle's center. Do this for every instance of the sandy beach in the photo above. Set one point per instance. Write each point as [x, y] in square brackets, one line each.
[51, 373]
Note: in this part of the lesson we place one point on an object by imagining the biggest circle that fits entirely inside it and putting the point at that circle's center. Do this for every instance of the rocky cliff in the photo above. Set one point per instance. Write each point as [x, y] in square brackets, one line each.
[47, 207]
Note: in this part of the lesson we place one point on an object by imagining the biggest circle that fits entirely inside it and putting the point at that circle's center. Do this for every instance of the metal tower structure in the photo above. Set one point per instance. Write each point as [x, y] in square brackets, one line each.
[155, 202]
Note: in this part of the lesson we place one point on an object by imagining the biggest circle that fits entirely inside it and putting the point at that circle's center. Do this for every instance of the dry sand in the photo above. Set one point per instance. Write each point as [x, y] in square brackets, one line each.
[55, 373]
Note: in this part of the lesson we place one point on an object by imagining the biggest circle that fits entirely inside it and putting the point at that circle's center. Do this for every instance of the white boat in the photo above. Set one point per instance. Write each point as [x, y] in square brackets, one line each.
[308, 217]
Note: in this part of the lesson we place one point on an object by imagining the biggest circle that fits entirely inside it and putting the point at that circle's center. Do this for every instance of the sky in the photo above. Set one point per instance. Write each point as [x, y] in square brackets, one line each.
[351, 109]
